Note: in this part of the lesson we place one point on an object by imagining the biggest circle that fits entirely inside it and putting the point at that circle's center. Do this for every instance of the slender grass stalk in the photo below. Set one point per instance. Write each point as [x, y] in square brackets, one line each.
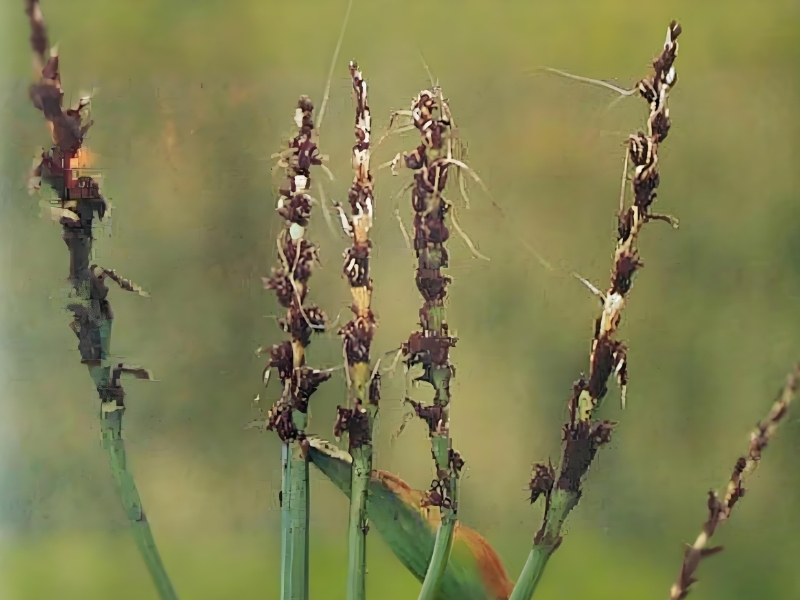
[79, 200]
[446, 530]
[289, 415]
[561, 503]
[719, 510]
[294, 520]
[111, 425]
[358, 524]
[357, 334]
[582, 436]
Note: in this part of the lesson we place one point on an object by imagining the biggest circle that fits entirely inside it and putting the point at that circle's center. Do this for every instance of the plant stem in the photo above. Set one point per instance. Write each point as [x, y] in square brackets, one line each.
[79, 200]
[582, 435]
[440, 445]
[358, 524]
[439, 558]
[357, 335]
[294, 519]
[111, 425]
[430, 347]
[561, 503]
[531, 573]
[361, 452]
[443, 544]
[289, 415]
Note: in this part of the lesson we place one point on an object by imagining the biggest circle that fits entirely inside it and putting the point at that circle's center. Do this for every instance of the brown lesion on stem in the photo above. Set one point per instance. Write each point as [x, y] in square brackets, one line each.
[543, 478]
[289, 280]
[113, 391]
[720, 508]
[440, 493]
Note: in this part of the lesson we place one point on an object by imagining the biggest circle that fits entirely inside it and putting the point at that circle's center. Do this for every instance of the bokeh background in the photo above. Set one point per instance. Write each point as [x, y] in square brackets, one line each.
[193, 98]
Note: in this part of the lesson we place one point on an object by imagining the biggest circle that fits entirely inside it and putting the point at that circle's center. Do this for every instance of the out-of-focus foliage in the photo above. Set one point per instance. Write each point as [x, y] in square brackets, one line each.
[194, 97]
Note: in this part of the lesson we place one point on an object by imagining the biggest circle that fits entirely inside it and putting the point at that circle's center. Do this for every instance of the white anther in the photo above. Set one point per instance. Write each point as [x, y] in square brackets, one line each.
[300, 182]
[345, 223]
[369, 207]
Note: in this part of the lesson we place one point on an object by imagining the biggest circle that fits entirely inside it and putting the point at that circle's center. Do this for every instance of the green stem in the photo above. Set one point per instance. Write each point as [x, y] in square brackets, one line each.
[357, 528]
[111, 424]
[441, 555]
[361, 452]
[440, 445]
[111, 431]
[431, 259]
[531, 573]
[545, 543]
[294, 518]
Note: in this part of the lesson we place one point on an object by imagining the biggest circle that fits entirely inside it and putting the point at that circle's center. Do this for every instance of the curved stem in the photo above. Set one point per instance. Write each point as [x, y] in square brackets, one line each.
[545, 544]
[444, 534]
[531, 573]
[111, 423]
[583, 436]
[80, 201]
[440, 557]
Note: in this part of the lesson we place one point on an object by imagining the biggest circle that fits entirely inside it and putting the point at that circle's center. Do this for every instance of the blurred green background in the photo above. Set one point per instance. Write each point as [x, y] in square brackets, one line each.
[194, 96]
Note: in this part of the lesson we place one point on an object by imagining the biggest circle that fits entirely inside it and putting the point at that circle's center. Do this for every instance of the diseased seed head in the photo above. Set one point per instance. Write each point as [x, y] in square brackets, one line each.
[296, 209]
[456, 462]
[305, 381]
[357, 336]
[279, 419]
[342, 423]
[432, 415]
[542, 480]
[282, 286]
[281, 358]
[375, 389]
